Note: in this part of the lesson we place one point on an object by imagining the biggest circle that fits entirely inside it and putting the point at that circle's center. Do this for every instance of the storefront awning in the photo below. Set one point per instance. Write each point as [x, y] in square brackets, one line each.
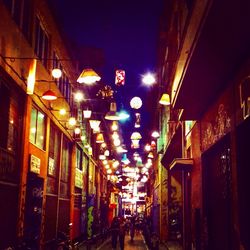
[181, 164]
[173, 149]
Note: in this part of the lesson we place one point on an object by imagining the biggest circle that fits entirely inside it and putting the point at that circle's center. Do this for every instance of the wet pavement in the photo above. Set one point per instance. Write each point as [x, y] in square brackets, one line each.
[137, 244]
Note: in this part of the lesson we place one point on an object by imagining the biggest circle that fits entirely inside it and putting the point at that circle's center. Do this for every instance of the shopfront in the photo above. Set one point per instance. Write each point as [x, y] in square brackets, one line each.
[11, 113]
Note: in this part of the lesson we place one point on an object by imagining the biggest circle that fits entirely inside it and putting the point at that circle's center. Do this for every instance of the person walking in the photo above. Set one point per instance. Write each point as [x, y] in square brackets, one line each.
[115, 228]
[122, 233]
[132, 228]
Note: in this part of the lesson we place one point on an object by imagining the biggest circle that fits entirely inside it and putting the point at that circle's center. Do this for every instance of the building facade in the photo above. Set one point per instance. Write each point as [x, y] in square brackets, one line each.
[49, 179]
[206, 73]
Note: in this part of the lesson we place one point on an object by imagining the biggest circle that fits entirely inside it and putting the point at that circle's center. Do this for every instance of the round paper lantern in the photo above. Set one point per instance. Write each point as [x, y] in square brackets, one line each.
[136, 102]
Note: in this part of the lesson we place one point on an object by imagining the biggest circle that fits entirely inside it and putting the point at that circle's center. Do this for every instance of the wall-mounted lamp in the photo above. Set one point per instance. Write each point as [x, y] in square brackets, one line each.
[31, 77]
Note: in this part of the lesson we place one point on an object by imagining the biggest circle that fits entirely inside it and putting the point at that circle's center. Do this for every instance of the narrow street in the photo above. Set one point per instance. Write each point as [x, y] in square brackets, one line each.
[137, 244]
[122, 116]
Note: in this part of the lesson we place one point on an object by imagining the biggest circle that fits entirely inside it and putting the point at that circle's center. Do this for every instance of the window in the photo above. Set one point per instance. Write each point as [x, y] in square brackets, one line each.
[78, 158]
[4, 114]
[41, 43]
[53, 161]
[26, 21]
[20, 11]
[65, 169]
[37, 128]
[9, 119]
[63, 83]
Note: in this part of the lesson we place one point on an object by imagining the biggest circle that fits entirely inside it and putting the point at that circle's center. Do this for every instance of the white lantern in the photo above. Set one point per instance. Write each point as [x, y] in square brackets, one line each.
[136, 102]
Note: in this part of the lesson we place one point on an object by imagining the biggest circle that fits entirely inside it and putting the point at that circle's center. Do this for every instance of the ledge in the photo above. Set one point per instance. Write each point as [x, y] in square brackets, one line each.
[181, 164]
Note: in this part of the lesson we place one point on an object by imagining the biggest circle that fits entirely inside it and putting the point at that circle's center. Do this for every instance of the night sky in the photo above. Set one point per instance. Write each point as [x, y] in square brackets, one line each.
[128, 32]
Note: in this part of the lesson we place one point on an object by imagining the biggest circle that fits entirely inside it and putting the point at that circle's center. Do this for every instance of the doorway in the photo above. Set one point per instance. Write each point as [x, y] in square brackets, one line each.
[243, 173]
[217, 195]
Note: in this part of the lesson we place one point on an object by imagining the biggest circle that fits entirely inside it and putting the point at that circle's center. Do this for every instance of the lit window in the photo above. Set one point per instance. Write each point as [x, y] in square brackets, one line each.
[37, 128]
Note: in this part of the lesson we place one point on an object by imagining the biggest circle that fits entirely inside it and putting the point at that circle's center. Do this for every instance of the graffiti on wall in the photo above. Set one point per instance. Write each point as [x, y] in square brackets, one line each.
[217, 127]
[91, 201]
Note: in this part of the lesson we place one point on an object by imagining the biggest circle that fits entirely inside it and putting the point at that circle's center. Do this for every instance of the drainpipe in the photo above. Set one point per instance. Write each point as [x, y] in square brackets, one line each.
[185, 197]
[59, 180]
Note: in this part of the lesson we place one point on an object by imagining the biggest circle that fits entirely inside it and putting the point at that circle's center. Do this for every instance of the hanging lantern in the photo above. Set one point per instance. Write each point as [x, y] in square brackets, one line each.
[153, 145]
[94, 124]
[135, 144]
[87, 113]
[72, 121]
[150, 155]
[106, 92]
[106, 153]
[135, 136]
[119, 77]
[56, 73]
[137, 120]
[114, 126]
[121, 149]
[99, 138]
[112, 115]
[155, 134]
[147, 147]
[136, 102]
[109, 171]
[165, 99]
[77, 131]
[62, 111]
[88, 76]
[139, 162]
[102, 157]
[78, 96]
[123, 115]
[49, 95]
[117, 142]
[125, 159]
[136, 155]
[149, 79]
[115, 164]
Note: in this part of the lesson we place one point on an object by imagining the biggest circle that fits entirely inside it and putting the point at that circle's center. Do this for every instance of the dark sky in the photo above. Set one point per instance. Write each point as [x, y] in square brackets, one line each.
[127, 31]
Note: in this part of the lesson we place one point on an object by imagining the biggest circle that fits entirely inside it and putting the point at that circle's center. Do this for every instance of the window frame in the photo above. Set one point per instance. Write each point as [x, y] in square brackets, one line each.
[36, 134]
[42, 42]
